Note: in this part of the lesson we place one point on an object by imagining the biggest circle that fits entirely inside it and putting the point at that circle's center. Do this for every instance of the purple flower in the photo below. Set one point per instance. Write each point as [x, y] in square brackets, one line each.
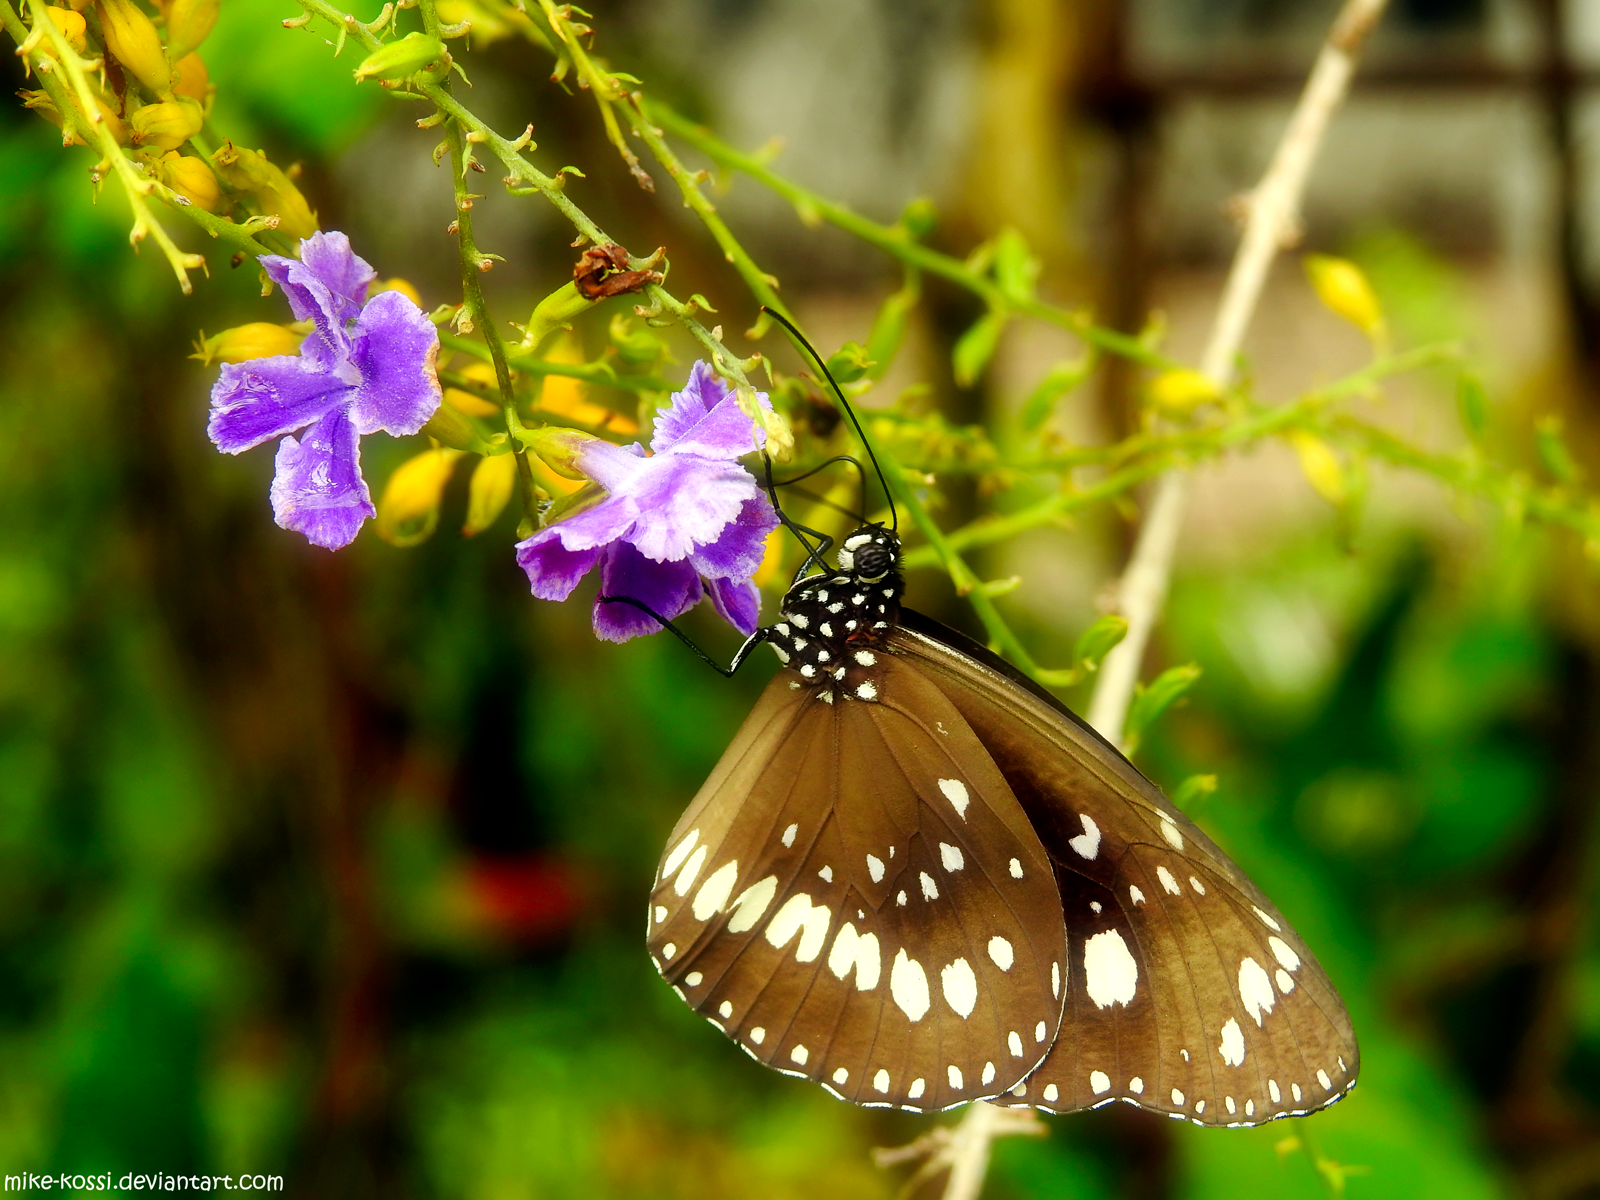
[364, 367]
[684, 522]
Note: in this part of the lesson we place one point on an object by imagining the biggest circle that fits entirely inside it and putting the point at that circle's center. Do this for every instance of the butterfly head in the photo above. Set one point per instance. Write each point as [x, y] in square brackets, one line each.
[833, 625]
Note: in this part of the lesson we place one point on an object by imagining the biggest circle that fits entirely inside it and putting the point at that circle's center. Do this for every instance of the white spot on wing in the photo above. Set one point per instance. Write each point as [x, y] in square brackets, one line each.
[841, 1076]
[1016, 869]
[669, 950]
[798, 912]
[866, 657]
[950, 857]
[758, 1035]
[908, 985]
[1052, 1093]
[1268, 921]
[1111, 976]
[1285, 981]
[1136, 895]
[880, 1081]
[1055, 979]
[1177, 1097]
[1272, 1090]
[799, 1055]
[681, 852]
[827, 874]
[866, 690]
[1014, 1043]
[900, 899]
[725, 1009]
[1168, 881]
[1285, 956]
[694, 978]
[1295, 1089]
[661, 914]
[751, 904]
[1170, 832]
[960, 987]
[1087, 843]
[1197, 885]
[1322, 1078]
[1199, 1106]
[1099, 1082]
[1228, 1103]
[1136, 1086]
[1232, 1048]
[918, 1086]
[714, 892]
[1039, 1032]
[953, 1074]
[988, 1074]
[1001, 953]
[690, 870]
[875, 868]
[788, 835]
[1255, 989]
[956, 792]
[930, 890]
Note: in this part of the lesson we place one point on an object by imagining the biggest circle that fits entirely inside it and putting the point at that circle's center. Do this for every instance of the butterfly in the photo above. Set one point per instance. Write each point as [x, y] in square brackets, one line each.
[917, 879]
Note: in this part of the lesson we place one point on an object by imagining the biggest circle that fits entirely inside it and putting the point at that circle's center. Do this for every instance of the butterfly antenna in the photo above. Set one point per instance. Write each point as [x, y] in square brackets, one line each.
[894, 516]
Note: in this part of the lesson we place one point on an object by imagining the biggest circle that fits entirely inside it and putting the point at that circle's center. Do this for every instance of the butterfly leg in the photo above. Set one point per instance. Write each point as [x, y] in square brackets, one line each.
[754, 640]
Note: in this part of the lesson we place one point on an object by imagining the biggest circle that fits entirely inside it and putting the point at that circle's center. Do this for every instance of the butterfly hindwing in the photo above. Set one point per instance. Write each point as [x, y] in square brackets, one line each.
[1188, 992]
[856, 897]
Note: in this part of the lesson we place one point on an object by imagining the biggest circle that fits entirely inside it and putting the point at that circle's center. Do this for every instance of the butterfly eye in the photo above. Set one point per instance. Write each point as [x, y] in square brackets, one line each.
[872, 561]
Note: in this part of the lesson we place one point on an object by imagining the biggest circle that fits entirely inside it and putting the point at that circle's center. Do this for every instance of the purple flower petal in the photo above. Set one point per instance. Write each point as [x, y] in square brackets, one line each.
[705, 419]
[394, 348]
[738, 550]
[670, 589]
[613, 467]
[610, 519]
[553, 570]
[737, 601]
[255, 401]
[685, 501]
[318, 490]
[342, 271]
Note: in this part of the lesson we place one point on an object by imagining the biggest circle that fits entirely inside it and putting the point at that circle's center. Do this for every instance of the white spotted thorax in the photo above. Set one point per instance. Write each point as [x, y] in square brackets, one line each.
[833, 626]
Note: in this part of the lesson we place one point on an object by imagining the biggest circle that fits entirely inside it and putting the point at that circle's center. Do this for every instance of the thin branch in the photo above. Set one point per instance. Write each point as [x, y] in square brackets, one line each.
[1273, 217]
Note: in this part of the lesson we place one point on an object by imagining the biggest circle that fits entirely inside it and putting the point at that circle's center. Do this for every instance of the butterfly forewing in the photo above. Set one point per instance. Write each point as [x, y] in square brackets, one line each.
[1187, 991]
[857, 897]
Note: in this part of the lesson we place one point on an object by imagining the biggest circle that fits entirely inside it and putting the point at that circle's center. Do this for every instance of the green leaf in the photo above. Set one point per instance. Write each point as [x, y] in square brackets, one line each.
[1016, 267]
[1099, 640]
[1152, 699]
[976, 347]
[889, 327]
[1553, 450]
[1062, 378]
[1473, 404]
[1194, 789]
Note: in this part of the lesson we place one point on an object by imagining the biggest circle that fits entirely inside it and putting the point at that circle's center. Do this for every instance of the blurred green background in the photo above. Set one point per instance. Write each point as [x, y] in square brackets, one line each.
[334, 866]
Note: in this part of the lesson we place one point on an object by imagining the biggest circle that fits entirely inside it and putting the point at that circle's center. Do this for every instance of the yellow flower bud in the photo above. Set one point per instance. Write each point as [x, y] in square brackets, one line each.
[569, 397]
[41, 103]
[489, 492]
[192, 179]
[132, 39]
[471, 404]
[70, 24]
[193, 81]
[188, 24]
[1342, 286]
[1179, 392]
[1321, 466]
[409, 509]
[397, 285]
[248, 171]
[166, 125]
[259, 339]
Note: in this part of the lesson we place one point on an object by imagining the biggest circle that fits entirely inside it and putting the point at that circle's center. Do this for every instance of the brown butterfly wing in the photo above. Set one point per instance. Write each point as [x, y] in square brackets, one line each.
[1188, 992]
[856, 897]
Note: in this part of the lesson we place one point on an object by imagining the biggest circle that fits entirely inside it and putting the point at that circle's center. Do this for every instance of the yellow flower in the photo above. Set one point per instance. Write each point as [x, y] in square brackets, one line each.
[1343, 287]
[1179, 392]
[193, 179]
[132, 39]
[489, 492]
[259, 339]
[409, 509]
[1321, 466]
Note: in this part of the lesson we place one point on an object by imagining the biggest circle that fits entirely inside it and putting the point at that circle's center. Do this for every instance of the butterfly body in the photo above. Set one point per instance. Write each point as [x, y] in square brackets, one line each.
[918, 880]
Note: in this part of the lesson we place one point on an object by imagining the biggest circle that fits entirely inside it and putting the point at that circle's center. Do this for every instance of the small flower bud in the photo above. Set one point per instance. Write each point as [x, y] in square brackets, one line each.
[189, 22]
[402, 58]
[489, 492]
[192, 179]
[1342, 286]
[1179, 392]
[409, 509]
[259, 339]
[555, 311]
[559, 449]
[41, 103]
[248, 171]
[636, 347]
[1321, 466]
[70, 24]
[919, 218]
[468, 402]
[132, 39]
[450, 428]
[193, 80]
[166, 125]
